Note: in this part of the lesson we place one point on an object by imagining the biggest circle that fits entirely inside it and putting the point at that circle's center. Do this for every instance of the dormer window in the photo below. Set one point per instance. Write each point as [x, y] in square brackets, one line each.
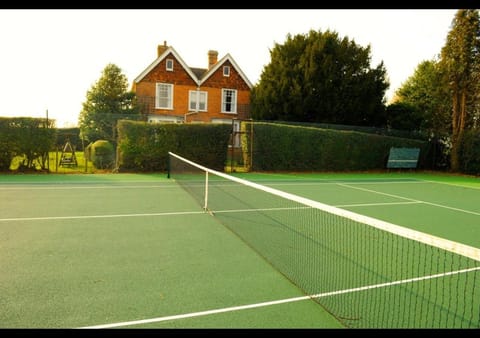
[226, 71]
[169, 64]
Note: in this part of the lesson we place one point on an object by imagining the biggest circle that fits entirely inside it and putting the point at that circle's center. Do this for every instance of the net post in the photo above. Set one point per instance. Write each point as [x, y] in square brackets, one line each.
[168, 165]
[205, 207]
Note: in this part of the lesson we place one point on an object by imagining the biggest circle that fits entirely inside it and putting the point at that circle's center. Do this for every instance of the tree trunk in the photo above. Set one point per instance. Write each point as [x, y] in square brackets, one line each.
[458, 127]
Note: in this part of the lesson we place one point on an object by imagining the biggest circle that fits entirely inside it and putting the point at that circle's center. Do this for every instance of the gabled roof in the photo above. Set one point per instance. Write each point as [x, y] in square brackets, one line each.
[199, 75]
[219, 64]
[198, 72]
[160, 59]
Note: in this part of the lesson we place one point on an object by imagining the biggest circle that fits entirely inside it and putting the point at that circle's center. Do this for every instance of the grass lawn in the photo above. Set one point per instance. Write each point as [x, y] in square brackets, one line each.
[55, 167]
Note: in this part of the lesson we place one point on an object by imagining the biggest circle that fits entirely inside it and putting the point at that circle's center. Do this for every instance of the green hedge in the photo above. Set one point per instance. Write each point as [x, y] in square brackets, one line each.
[144, 146]
[27, 137]
[294, 148]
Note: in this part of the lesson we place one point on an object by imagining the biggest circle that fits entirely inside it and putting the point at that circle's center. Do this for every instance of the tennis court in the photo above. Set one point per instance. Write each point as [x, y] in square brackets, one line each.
[139, 251]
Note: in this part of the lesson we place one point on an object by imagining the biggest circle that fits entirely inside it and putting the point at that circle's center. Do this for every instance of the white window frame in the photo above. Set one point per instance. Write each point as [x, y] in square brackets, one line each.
[233, 103]
[169, 91]
[167, 62]
[194, 97]
[226, 71]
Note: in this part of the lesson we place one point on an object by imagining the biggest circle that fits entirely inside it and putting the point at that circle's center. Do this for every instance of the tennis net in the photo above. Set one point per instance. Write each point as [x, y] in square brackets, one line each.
[366, 272]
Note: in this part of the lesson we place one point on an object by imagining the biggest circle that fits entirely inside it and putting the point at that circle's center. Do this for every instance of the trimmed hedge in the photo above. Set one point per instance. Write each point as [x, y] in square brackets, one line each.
[144, 146]
[294, 148]
[102, 154]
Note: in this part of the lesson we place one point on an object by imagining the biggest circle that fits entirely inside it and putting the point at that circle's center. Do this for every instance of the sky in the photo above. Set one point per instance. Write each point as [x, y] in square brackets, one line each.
[49, 59]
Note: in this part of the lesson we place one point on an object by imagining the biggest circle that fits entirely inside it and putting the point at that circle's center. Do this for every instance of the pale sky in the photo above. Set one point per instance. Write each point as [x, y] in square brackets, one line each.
[51, 58]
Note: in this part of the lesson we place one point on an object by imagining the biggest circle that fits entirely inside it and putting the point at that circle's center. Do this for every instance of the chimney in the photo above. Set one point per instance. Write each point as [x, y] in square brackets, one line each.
[212, 58]
[161, 49]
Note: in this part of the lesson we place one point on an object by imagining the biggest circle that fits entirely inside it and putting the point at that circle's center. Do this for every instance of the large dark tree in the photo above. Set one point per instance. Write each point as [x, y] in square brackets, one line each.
[107, 101]
[320, 77]
[460, 63]
[427, 100]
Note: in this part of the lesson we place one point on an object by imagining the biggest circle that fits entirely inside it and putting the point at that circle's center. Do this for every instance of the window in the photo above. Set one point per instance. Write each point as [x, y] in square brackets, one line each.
[229, 101]
[197, 100]
[164, 96]
[169, 64]
[226, 71]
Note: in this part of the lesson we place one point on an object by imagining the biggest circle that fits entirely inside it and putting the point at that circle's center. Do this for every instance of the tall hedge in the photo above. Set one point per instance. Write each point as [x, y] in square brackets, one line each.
[294, 148]
[31, 138]
[144, 146]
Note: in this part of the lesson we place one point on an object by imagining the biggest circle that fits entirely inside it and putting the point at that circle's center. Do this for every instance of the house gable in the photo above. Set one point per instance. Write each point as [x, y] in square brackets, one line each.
[216, 71]
[159, 66]
[216, 79]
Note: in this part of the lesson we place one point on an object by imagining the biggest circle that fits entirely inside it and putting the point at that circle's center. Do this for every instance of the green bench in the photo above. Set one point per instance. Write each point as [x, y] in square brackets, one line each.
[403, 157]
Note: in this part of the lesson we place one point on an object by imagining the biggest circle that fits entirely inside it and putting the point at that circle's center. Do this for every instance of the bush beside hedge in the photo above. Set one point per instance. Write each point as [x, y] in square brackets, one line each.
[101, 153]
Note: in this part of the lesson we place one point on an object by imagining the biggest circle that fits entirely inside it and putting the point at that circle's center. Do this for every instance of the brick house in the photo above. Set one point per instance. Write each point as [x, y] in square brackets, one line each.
[170, 91]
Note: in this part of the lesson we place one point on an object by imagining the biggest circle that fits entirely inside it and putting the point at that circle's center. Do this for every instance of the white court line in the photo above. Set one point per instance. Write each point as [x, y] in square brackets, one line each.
[53, 187]
[47, 218]
[375, 204]
[281, 301]
[412, 200]
[453, 184]
[100, 216]
[335, 182]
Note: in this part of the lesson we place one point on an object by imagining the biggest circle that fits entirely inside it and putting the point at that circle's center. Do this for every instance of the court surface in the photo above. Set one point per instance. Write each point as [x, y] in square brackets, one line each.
[137, 251]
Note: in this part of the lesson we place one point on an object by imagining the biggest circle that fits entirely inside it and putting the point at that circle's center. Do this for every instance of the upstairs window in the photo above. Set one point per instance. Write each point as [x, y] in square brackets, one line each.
[229, 101]
[197, 100]
[164, 96]
[169, 64]
[226, 71]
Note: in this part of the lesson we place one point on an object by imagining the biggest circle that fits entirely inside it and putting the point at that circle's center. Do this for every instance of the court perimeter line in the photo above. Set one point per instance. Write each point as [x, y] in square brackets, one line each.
[412, 200]
[281, 301]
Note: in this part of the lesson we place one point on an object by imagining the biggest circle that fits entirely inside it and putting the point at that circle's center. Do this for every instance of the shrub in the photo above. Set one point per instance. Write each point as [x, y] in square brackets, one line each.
[102, 154]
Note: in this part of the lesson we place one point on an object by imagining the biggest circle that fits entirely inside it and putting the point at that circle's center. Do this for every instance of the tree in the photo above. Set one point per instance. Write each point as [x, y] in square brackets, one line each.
[425, 102]
[460, 64]
[403, 116]
[106, 102]
[321, 78]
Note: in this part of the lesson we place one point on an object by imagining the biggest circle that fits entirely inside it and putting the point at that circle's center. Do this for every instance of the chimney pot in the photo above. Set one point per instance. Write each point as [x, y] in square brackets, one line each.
[212, 58]
[162, 48]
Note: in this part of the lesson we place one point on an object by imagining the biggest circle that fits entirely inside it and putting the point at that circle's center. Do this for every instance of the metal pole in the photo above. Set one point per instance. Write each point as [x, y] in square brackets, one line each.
[206, 191]
[48, 151]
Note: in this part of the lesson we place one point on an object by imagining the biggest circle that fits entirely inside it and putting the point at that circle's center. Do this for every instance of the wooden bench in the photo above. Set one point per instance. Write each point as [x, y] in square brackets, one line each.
[403, 157]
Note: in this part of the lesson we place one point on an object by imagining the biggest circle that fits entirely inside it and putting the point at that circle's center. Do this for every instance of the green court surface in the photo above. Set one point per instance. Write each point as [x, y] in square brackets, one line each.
[137, 251]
